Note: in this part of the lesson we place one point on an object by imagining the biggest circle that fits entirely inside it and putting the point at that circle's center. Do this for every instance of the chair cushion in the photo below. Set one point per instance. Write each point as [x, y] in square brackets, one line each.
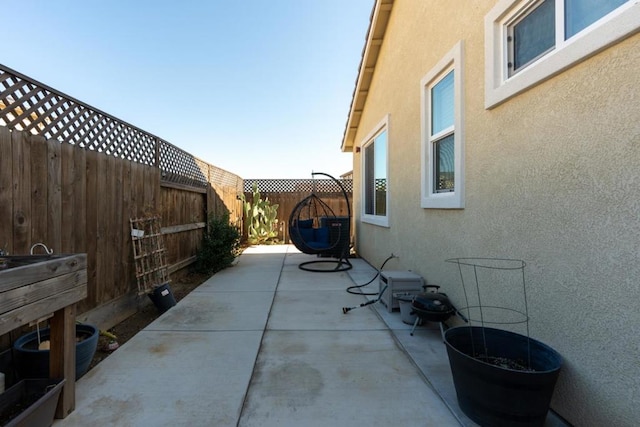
[317, 245]
[305, 223]
[306, 234]
[322, 235]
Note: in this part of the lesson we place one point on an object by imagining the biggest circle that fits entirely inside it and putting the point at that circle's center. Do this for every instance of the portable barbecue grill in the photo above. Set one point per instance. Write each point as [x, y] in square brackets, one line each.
[432, 307]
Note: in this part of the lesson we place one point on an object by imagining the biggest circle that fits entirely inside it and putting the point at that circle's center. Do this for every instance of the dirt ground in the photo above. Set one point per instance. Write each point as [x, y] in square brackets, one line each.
[180, 287]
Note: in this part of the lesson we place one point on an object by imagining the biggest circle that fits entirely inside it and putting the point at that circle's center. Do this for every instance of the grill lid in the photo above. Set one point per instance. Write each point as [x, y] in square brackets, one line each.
[432, 302]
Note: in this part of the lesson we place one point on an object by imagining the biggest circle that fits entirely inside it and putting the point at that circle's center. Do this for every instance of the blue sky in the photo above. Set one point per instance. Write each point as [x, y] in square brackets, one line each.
[260, 88]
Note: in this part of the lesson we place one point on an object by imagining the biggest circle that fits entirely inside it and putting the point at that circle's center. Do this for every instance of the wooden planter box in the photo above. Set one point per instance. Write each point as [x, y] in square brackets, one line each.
[34, 286]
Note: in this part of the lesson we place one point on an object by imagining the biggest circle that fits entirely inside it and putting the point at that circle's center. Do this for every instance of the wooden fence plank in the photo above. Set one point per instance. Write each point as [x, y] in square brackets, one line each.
[105, 221]
[126, 259]
[183, 227]
[21, 192]
[151, 190]
[68, 219]
[102, 252]
[119, 284]
[91, 228]
[80, 201]
[54, 196]
[137, 189]
[6, 190]
[39, 190]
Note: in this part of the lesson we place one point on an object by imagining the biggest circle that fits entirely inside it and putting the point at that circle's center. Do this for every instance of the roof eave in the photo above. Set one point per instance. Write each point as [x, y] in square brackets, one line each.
[375, 35]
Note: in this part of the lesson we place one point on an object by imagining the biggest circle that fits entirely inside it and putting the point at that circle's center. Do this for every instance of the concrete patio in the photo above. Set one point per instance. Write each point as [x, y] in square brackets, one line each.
[264, 343]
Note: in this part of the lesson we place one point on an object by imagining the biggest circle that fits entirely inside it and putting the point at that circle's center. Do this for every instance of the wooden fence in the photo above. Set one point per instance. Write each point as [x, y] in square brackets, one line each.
[80, 201]
[72, 176]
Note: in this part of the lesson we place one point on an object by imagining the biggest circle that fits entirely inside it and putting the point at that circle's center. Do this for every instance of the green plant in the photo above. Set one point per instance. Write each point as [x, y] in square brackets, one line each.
[220, 245]
[261, 217]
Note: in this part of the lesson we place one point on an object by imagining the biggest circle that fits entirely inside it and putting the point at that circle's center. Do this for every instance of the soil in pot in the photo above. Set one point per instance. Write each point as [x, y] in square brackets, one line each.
[32, 362]
[505, 362]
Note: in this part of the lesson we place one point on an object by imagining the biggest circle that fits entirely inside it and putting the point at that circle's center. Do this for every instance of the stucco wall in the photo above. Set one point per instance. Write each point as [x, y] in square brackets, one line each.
[552, 178]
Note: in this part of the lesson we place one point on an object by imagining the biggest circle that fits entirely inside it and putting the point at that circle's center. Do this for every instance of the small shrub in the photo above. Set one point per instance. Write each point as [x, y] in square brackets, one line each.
[220, 245]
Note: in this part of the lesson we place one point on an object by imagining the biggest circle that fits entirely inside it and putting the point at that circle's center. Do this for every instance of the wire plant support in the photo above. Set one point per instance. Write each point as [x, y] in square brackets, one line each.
[505, 273]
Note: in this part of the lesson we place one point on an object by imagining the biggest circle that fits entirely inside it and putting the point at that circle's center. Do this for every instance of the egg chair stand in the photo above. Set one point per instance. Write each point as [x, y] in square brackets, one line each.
[316, 230]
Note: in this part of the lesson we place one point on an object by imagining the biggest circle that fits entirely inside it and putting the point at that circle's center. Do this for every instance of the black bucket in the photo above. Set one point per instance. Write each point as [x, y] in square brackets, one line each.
[163, 298]
[494, 395]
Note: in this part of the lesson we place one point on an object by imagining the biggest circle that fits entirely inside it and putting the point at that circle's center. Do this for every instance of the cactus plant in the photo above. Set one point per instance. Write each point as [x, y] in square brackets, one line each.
[261, 217]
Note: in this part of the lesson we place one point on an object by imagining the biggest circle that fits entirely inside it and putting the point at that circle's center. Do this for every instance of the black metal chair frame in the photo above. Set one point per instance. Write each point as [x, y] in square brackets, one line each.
[337, 230]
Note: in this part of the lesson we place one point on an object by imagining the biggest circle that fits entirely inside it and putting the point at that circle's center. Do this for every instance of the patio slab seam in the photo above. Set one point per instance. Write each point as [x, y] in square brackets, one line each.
[261, 343]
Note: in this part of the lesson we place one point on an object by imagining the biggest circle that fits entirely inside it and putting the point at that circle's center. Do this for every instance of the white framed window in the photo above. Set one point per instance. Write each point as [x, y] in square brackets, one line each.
[529, 41]
[442, 162]
[375, 182]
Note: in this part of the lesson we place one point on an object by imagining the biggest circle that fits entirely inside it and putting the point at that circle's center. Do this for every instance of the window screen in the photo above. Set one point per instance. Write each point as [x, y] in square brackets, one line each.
[533, 35]
[444, 165]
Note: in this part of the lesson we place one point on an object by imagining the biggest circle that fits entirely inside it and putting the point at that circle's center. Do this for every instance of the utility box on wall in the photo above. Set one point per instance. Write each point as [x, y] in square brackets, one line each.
[396, 282]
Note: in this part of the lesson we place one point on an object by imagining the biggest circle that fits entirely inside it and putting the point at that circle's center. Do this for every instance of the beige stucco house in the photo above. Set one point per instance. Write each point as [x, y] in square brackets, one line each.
[511, 129]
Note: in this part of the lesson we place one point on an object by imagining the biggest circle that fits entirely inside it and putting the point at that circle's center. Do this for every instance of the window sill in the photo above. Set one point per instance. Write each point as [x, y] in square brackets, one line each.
[443, 201]
[381, 221]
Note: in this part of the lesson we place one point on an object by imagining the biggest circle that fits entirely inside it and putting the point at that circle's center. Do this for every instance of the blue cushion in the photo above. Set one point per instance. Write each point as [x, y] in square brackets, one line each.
[317, 245]
[322, 235]
[306, 234]
[305, 223]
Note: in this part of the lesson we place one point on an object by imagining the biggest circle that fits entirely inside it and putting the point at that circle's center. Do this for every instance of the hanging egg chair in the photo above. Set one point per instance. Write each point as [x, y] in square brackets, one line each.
[316, 230]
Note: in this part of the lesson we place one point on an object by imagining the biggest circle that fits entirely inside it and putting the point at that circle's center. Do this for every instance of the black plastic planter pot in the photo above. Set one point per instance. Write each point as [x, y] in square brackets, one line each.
[493, 395]
[162, 298]
[30, 403]
[34, 363]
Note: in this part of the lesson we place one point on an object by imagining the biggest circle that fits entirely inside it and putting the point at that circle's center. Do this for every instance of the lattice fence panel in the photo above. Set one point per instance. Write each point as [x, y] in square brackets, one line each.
[221, 176]
[32, 107]
[298, 185]
[180, 167]
[27, 105]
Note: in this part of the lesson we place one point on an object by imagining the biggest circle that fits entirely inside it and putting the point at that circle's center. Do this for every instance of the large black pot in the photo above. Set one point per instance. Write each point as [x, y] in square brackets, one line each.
[33, 363]
[494, 395]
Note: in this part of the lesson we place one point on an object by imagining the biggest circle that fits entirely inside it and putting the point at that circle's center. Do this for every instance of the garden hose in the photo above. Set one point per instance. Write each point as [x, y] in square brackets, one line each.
[345, 310]
[350, 289]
